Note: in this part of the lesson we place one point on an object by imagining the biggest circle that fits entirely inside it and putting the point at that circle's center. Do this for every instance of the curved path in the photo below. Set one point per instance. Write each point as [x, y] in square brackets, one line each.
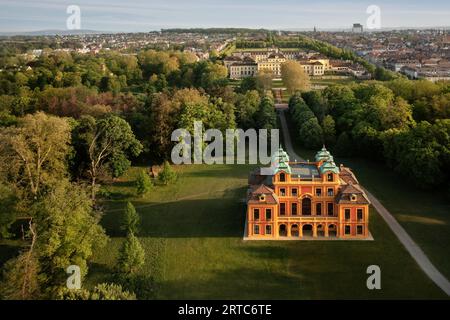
[413, 249]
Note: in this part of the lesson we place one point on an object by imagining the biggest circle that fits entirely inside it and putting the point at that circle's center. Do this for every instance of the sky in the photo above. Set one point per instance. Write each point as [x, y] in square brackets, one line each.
[142, 16]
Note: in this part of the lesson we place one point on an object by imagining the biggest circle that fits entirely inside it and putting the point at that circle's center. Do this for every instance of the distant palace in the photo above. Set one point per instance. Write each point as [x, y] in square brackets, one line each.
[243, 64]
[306, 200]
[247, 64]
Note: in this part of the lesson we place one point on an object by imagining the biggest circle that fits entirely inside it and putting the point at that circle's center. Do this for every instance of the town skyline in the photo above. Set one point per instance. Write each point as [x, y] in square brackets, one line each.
[138, 16]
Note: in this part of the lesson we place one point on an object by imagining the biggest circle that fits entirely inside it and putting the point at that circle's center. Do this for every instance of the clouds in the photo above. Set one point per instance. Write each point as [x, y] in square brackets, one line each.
[140, 15]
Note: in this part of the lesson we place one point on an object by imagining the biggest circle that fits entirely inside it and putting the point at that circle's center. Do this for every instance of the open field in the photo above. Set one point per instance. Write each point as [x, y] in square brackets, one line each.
[192, 234]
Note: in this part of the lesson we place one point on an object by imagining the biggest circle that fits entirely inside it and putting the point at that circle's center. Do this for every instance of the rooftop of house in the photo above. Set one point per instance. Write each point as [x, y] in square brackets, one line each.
[262, 194]
[351, 193]
[276, 55]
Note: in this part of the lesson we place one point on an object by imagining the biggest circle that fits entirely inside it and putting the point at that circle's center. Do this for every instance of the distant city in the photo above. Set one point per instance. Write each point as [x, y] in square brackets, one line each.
[417, 53]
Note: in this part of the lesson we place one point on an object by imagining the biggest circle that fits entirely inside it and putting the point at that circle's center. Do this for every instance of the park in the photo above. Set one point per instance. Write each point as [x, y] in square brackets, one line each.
[192, 235]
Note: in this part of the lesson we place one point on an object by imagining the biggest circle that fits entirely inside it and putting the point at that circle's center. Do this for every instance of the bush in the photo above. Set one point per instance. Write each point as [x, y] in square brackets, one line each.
[143, 286]
[143, 183]
[167, 175]
[103, 291]
[131, 256]
[130, 219]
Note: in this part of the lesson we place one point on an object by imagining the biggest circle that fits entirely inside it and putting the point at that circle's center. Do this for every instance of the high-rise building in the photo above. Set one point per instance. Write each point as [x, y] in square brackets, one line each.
[357, 28]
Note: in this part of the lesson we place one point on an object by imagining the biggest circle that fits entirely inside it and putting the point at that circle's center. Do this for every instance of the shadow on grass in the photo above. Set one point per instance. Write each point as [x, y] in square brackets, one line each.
[238, 283]
[102, 272]
[277, 250]
[202, 217]
[124, 184]
[224, 171]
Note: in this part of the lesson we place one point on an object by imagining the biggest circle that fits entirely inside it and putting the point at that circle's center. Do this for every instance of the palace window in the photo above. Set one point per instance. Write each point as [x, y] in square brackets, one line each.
[268, 214]
[319, 192]
[306, 207]
[282, 177]
[348, 230]
[330, 177]
[359, 214]
[347, 214]
[359, 229]
[256, 214]
[282, 209]
[318, 209]
[282, 192]
[268, 229]
[330, 192]
[294, 209]
[256, 229]
[330, 208]
[294, 192]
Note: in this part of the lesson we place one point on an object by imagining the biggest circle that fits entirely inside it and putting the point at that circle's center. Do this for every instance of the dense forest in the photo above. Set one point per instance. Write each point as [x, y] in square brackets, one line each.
[69, 122]
[401, 122]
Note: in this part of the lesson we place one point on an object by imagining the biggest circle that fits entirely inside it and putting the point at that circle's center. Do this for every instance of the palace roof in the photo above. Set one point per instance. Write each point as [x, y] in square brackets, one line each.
[276, 55]
[329, 166]
[304, 170]
[347, 175]
[269, 196]
[256, 178]
[352, 194]
[232, 58]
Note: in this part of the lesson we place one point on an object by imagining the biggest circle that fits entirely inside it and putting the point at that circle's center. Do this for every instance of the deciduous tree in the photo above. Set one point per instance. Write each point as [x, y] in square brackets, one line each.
[103, 141]
[34, 153]
[294, 77]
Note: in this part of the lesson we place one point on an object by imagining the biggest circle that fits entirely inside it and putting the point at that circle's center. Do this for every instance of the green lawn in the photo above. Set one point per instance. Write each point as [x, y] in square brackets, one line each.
[192, 235]
[278, 84]
[424, 214]
[329, 82]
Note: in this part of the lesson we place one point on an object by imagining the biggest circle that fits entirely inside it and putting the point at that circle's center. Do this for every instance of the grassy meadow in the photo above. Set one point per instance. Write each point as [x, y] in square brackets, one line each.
[192, 235]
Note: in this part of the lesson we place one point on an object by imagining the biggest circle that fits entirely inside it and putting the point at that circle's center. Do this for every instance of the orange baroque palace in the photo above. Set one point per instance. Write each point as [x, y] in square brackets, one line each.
[306, 200]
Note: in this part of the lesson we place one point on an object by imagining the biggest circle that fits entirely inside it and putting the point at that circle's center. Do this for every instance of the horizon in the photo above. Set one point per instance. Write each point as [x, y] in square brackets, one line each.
[137, 16]
[51, 32]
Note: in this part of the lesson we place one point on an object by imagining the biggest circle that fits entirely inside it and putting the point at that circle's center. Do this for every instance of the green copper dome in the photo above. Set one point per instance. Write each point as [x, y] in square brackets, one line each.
[280, 161]
[323, 154]
[329, 166]
[280, 155]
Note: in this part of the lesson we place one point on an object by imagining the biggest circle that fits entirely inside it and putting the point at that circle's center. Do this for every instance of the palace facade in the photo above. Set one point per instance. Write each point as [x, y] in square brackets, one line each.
[247, 64]
[306, 200]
